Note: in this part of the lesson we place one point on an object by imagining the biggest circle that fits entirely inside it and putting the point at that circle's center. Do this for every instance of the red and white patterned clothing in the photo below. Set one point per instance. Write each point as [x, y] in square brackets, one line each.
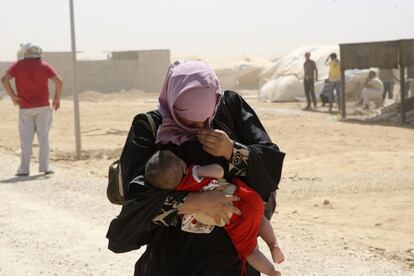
[242, 230]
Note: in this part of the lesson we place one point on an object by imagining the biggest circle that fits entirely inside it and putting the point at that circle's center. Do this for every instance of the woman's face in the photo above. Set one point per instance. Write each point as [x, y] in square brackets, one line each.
[194, 124]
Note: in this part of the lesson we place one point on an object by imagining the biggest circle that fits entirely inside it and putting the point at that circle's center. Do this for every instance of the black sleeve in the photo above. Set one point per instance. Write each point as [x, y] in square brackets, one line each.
[139, 147]
[265, 160]
[135, 225]
[239, 161]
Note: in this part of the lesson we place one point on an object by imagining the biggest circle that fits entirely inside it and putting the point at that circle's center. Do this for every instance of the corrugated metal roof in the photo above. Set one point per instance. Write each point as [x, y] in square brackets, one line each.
[381, 54]
[371, 54]
[407, 52]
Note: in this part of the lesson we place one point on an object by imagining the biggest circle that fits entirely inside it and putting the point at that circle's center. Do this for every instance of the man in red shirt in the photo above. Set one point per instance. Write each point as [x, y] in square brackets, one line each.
[31, 76]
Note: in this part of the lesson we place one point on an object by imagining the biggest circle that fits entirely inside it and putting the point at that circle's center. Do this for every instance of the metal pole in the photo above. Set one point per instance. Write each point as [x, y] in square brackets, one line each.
[75, 84]
[343, 95]
[342, 108]
[402, 95]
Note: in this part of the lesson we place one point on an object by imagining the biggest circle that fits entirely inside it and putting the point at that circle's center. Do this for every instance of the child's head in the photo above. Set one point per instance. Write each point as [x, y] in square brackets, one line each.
[164, 170]
[326, 81]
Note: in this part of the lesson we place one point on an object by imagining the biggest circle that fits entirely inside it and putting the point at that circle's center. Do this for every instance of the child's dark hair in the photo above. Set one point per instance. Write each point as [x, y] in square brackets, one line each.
[163, 170]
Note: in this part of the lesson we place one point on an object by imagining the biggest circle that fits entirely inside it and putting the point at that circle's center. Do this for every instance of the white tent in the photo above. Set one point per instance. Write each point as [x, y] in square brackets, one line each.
[284, 81]
[240, 72]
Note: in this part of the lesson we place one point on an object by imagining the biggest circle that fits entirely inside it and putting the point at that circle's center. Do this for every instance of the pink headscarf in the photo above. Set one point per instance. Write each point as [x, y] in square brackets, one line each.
[191, 91]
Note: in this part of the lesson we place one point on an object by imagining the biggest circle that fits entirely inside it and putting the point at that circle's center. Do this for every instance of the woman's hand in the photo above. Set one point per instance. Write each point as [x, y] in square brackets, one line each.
[216, 142]
[212, 203]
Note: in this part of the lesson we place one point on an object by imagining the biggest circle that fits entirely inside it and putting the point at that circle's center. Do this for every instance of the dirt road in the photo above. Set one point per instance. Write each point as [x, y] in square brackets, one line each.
[56, 225]
[346, 199]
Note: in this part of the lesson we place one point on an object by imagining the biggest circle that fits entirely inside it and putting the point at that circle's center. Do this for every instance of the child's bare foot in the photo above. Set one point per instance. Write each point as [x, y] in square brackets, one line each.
[277, 254]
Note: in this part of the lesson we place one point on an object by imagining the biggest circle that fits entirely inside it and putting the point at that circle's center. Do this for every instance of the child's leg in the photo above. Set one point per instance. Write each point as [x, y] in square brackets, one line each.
[259, 261]
[267, 234]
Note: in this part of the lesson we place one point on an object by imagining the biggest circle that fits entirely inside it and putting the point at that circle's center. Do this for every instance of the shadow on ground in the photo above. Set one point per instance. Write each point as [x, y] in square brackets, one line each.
[17, 179]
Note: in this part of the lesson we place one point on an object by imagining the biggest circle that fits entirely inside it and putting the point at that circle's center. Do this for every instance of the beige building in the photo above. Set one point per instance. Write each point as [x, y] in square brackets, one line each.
[123, 70]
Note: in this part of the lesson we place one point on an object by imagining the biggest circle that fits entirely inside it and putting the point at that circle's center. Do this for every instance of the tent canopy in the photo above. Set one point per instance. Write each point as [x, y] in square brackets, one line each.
[382, 54]
[407, 52]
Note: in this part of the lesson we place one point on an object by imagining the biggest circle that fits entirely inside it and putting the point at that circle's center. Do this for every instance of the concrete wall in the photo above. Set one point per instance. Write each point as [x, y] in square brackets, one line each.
[146, 71]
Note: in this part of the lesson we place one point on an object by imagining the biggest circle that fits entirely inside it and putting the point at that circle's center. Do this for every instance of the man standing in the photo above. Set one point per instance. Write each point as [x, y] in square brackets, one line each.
[31, 76]
[410, 81]
[334, 79]
[311, 74]
[387, 78]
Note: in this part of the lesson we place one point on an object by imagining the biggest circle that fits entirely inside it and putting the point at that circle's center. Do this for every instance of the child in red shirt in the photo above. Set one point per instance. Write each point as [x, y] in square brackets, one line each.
[166, 171]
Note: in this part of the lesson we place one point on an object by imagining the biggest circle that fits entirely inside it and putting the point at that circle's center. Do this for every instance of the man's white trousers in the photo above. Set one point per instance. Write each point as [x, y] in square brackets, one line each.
[34, 120]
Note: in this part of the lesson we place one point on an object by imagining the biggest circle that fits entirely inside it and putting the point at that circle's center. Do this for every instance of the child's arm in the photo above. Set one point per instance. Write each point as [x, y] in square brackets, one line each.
[213, 170]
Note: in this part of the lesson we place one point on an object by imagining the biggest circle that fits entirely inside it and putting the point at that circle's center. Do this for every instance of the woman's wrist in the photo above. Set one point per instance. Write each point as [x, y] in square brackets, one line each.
[228, 155]
[239, 159]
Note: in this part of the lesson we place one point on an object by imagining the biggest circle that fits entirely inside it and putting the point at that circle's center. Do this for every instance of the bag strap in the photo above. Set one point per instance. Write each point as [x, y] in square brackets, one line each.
[120, 181]
[152, 124]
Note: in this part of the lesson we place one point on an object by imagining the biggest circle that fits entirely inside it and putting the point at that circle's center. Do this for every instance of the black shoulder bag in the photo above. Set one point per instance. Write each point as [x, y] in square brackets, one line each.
[115, 189]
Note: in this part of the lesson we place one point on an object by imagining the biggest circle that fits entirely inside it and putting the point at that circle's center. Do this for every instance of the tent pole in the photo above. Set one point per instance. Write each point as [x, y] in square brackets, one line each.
[402, 93]
[343, 99]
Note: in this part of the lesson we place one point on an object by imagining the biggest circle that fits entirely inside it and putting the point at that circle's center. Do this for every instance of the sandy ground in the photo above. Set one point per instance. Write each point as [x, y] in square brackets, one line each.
[346, 199]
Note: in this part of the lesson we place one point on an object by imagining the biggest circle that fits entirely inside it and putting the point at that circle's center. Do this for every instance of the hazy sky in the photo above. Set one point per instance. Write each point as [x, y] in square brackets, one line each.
[215, 28]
